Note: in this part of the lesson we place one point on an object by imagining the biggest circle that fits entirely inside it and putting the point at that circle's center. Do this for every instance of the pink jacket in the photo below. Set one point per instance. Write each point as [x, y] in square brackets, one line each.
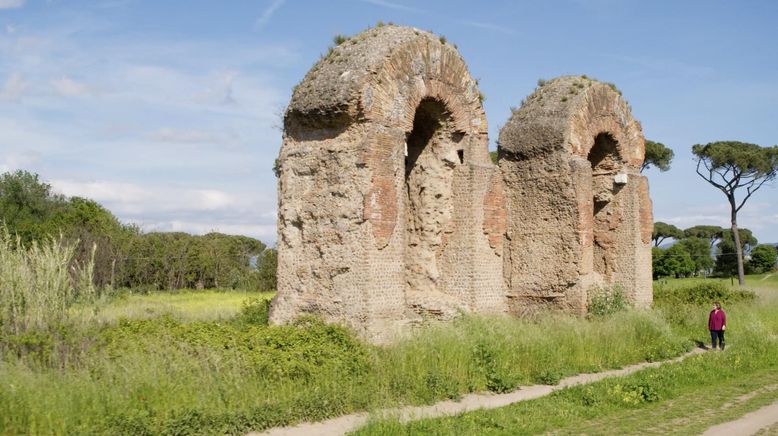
[717, 320]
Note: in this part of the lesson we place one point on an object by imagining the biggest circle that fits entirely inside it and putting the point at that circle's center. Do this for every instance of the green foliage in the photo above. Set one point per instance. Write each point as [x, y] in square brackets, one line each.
[763, 259]
[267, 263]
[339, 39]
[119, 255]
[730, 166]
[612, 86]
[699, 252]
[542, 82]
[493, 157]
[631, 404]
[743, 160]
[663, 231]
[672, 262]
[37, 285]
[496, 380]
[29, 206]
[151, 376]
[726, 252]
[30, 210]
[658, 155]
[702, 294]
[179, 260]
[711, 233]
[746, 236]
[255, 311]
[607, 301]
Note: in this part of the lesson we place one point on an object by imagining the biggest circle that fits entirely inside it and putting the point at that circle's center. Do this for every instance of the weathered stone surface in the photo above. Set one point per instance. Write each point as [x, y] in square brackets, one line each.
[495, 216]
[390, 210]
[573, 222]
[383, 172]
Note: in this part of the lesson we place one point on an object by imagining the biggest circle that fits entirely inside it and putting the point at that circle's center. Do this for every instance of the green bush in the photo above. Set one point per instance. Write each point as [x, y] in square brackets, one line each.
[607, 301]
[165, 375]
[702, 294]
[39, 283]
[254, 311]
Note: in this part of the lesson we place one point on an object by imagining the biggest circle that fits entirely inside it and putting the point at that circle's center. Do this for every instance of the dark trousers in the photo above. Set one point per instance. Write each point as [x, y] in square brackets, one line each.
[714, 335]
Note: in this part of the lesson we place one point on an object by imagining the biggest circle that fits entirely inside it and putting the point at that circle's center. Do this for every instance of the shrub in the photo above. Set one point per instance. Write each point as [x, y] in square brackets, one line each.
[339, 39]
[254, 311]
[701, 294]
[39, 283]
[763, 258]
[607, 301]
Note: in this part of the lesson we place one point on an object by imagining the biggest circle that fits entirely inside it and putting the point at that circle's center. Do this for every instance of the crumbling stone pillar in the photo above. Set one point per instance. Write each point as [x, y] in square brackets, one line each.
[389, 207]
[578, 208]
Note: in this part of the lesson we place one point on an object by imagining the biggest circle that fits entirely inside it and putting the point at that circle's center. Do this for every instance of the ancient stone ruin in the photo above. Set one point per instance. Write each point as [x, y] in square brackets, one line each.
[391, 211]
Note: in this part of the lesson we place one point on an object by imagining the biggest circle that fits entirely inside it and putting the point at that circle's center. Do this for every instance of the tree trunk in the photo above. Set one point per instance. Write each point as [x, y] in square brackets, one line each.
[741, 274]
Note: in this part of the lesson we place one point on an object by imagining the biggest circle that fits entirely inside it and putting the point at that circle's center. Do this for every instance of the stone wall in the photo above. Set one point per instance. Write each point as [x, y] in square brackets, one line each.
[390, 210]
[383, 172]
[579, 211]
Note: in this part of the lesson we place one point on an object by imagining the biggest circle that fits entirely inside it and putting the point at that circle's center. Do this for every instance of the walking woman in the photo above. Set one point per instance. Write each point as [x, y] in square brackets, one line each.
[717, 323]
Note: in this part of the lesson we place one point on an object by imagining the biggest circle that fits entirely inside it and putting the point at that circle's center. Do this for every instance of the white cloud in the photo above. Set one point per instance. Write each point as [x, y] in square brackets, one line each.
[192, 136]
[13, 88]
[393, 5]
[15, 161]
[11, 4]
[171, 208]
[130, 198]
[69, 88]
[263, 232]
[488, 26]
[219, 90]
[267, 14]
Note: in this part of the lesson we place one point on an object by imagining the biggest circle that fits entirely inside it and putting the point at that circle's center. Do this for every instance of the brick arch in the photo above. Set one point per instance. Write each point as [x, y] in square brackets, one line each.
[574, 225]
[354, 218]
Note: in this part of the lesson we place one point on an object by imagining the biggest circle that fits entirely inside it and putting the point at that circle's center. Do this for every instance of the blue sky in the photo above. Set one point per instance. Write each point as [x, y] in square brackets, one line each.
[168, 112]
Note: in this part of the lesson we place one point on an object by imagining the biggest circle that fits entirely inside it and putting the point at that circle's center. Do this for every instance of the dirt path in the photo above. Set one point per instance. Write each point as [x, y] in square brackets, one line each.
[748, 424]
[347, 423]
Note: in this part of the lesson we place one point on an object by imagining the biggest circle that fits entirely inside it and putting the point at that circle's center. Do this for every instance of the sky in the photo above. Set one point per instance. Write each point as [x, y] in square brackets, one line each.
[168, 113]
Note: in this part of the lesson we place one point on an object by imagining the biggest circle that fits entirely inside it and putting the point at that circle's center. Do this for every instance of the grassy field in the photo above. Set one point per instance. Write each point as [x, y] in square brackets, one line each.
[681, 398]
[172, 375]
[766, 282]
[206, 363]
[188, 305]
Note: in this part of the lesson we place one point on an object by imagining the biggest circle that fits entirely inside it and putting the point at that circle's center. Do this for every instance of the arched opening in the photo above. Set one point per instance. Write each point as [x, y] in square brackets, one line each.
[605, 162]
[432, 153]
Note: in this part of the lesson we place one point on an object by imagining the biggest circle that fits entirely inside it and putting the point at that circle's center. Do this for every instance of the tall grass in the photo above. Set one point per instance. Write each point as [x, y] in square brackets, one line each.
[638, 403]
[173, 373]
[39, 282]
[164, 375]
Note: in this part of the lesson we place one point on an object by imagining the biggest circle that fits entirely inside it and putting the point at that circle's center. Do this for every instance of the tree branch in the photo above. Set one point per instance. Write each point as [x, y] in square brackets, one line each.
[709, 179]
[751, 192]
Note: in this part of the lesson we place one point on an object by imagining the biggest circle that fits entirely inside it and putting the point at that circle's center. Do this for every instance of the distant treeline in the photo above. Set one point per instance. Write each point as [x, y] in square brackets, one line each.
[705, 250]
[125, 256]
